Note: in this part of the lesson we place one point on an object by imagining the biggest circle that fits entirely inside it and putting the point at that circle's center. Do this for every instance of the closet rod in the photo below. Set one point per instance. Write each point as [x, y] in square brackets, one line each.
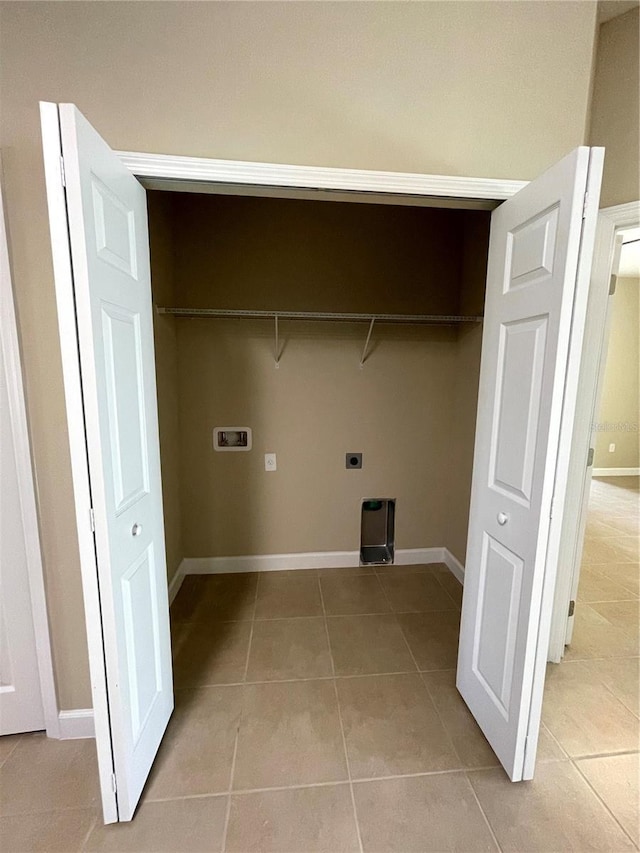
[415, 319]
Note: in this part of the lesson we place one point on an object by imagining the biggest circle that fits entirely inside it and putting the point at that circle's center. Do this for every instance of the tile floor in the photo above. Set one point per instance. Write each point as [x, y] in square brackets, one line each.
[317, 711]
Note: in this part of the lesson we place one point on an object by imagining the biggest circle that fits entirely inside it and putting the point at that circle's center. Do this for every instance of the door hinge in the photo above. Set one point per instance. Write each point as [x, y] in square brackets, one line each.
[585, 204]
[572, 607]
[63, 176]
[114, 787]
[590, 456]
[551, 507]
[92, 519]
[612, 284]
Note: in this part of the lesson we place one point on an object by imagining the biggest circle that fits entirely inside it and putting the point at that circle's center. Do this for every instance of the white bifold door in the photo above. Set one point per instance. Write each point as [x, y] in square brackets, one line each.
[539, 255]
[539, 241]
[109, 245]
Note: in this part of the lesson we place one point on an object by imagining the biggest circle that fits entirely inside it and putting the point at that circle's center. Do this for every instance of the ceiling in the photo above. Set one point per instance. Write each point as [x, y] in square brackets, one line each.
[608, 9]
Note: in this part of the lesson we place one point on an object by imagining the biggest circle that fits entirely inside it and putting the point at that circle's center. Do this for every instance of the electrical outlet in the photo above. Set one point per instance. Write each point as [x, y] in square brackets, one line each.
[612, 448]
[270, 462]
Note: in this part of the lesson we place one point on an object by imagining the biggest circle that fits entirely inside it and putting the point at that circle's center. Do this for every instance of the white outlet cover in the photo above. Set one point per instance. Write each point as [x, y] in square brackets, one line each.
[270, 463]
[612, 448]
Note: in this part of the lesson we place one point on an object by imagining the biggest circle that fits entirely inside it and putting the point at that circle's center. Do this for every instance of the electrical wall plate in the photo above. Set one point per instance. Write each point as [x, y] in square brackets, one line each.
[354, 460]
[232, 438]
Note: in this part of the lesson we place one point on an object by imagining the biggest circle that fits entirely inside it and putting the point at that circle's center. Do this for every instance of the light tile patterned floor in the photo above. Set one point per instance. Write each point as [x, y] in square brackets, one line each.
[317, 711]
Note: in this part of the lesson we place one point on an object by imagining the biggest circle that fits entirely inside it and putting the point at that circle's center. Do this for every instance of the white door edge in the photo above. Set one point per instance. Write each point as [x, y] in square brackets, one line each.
[562, 467]
[18, 416]
[65, 301]
[610, 220]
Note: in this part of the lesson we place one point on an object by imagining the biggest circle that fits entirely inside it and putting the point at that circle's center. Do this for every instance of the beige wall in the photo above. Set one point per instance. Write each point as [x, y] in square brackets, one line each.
[311, 411]
[489, 89]
[619, 404]
[306, 255]
[285, 254]
[615, 118]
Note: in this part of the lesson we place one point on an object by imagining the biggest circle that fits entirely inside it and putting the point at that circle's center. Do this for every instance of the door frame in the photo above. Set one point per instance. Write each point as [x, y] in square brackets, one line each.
[611, 220]
[26, 483]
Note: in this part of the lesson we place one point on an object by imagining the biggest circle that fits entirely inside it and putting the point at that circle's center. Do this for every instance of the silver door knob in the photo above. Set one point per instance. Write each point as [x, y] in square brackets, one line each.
[136, 530]
[503, 517]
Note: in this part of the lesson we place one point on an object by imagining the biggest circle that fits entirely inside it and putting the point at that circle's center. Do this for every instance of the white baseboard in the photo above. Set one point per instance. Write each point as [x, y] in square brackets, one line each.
[454, 565]
[615, 472]
[76, 724]
[317, 560]
[176, 582]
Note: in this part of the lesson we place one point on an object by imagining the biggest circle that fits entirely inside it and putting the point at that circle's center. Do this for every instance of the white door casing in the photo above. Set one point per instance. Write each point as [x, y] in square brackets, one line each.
[21, 708]
[33, 705]
[536, 242]
[111, 271]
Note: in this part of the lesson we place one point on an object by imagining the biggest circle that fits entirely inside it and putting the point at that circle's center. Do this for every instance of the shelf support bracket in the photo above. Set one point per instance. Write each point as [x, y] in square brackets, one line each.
[277, 342]
[366, 343]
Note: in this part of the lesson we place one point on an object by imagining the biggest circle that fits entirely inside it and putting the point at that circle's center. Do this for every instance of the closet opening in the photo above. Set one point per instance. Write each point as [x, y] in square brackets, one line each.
[328, 329]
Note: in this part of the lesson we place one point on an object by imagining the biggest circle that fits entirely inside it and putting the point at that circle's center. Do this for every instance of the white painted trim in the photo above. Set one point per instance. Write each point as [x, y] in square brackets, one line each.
[242, 172]
[574, 521]
[176, 582]
[454, 565]
[623, 215]
[65, 302]
[76, 724]
[26, 484]
[301, 561]
[615, 472]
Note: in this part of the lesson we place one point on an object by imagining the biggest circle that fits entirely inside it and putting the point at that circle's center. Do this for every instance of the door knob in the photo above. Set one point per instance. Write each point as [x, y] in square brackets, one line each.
[136, 530]
[503, 517]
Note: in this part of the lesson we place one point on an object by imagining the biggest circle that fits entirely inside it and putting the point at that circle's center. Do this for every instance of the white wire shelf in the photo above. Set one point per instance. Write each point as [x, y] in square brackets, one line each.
[415, 319]
[276, 316]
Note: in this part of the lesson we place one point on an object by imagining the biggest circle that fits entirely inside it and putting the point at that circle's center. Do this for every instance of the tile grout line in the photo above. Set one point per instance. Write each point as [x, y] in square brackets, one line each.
[446, 591]
[424, 685]
[463, 769]
[89, 832]
[602, 800]
[344, 740]
[11, 751]
[482, 811]
[239, 792]
[227, 816]
[588, 756]
[545, 727]
[253, 622]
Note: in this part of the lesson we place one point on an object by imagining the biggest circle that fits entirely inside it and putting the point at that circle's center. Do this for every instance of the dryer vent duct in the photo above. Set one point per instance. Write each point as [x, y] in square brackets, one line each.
[377, 531]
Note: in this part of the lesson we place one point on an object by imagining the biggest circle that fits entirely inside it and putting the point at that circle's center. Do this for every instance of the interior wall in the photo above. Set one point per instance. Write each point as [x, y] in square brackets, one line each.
[484, 88]
[619, 404]
[287, 254]
[318, 405]
[615, 114]
[161, 245]
[311, 411]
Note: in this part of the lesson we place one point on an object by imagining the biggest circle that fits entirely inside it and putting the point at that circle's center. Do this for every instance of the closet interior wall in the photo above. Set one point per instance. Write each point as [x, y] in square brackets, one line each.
[410, 410]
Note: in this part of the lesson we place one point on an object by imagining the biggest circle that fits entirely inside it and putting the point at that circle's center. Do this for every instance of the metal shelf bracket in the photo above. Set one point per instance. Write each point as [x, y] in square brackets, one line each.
[366, 343]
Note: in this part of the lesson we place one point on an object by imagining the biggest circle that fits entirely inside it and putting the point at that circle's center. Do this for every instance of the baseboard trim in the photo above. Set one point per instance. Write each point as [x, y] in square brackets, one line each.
[309, 560]
[76, 724]
[454, 565]
[176, 582]
[615, 472]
